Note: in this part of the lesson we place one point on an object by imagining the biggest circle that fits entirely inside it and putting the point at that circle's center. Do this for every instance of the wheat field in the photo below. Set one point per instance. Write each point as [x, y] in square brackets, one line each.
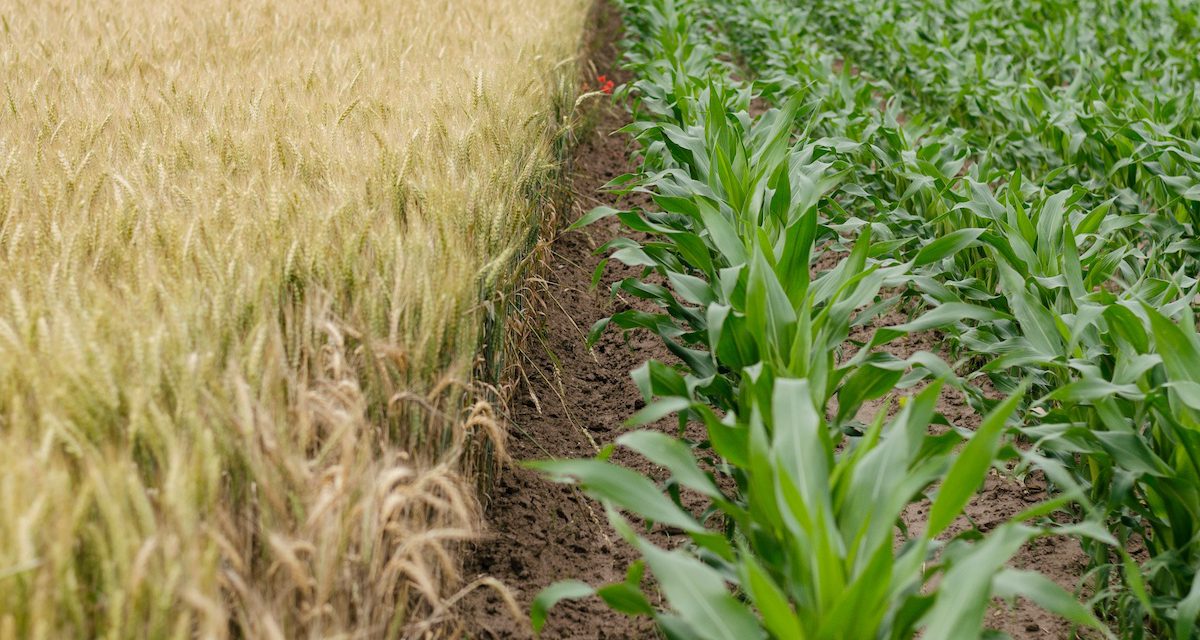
[246, 252]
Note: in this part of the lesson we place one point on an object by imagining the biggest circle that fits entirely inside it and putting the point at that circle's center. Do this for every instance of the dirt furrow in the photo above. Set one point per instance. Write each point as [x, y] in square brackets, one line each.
[575, 401]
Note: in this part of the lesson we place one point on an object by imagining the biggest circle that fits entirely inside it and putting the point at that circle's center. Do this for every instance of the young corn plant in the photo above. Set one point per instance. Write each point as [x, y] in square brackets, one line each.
[1125, 424]
[807, 546]
[1077, 313]
[734, 246]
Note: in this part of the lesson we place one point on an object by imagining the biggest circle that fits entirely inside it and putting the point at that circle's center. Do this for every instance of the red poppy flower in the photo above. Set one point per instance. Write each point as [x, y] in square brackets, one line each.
[606, 85]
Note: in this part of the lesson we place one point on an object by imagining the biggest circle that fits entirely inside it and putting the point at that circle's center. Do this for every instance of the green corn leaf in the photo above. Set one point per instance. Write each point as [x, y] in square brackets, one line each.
[972, 465]
[768, 307]
[1072, 269]
[1091, 222]
[675, 456]
[731, 442]
[552, 595]
[1188, 612]
[626, 598]
[599, 213]
[1089, 389]
[1125, 323]
[655, 378]
[634, 257]
[1050, 223]
[1133, 578]
[692, 289]
[1179, 349]
[800, 435]
[941, 316]
[598, 273]
[864, 604]
[657, 410]
[698, 594]
[963, 595]
[865, 383]
[1188, 392]
[794, 262]
[1039, 589]
[777, 614]
[620, 486]
[1037, 322]
[700, 362]
[723, 234]
[678, 205]
[695, 253]
[596, 331]
[946, 246]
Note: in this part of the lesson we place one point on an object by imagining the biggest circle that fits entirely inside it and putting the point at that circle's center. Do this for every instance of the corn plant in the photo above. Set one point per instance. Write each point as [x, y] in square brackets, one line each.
[808, 545]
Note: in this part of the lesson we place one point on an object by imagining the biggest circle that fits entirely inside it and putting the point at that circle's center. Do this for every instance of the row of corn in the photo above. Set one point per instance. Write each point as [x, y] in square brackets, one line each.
[1021, 181]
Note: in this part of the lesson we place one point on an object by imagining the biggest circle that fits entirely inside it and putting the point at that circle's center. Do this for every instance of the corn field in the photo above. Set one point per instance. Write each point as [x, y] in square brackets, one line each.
[1020, 181]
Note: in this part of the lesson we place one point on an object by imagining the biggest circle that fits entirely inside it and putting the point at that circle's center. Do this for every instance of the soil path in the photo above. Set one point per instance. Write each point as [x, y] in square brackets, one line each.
[576, 399]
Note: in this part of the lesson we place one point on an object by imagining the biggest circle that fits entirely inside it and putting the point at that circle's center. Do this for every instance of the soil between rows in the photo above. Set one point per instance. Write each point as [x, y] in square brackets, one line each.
[575, 400]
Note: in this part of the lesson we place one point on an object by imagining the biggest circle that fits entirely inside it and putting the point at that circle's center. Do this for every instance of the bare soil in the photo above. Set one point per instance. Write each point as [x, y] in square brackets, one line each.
[575, 399]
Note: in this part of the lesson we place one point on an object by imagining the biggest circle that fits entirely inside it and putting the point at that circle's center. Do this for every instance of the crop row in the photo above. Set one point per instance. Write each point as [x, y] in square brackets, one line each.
[259, 263]
[1052, 250]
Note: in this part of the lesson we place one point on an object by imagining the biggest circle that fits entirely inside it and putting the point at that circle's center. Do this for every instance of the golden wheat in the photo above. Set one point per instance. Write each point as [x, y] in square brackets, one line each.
[245, 251]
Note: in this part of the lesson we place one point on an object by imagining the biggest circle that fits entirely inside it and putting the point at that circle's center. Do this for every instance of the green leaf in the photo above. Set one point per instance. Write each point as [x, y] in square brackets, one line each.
[777, 614]
[692, 289]
[626, 598]
[1179, 350]
[1043, 592]
[1037, 322]
[552, 595]
[1089, 389]
[950, 313]
[1092, 221]
[634, 257]
[1133, 578]
[865, 383]
[731, 443]
[768, 308]
[674, 455]
[723, 234]
[794, 263]
[698, 594]
[599, 213]
[658, 410]
[1188, 611]
[1187, 391]
[971, 467]
[1050, 223]
[620, 486]
[946, 245]
[963, 595]
[596, 331]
